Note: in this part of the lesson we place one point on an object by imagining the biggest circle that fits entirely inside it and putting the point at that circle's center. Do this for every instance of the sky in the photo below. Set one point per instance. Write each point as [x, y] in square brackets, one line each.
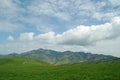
[75, 25]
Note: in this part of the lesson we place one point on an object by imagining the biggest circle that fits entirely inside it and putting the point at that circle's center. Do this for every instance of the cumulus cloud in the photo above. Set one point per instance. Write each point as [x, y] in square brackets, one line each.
[26, 36]
[47, 37]
[81, 35]
[10, 38]
[84, 35]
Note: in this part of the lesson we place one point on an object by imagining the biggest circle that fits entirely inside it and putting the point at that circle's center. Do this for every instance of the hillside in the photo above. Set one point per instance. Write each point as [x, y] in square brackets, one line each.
[58, 58]
[16, 69]
[21, 61]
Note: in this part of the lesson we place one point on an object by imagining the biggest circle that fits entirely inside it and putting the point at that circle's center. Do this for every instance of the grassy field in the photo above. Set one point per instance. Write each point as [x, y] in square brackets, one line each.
[30, 69]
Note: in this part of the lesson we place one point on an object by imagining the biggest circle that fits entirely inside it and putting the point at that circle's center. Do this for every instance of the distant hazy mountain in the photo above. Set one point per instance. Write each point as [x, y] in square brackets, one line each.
[57, 58]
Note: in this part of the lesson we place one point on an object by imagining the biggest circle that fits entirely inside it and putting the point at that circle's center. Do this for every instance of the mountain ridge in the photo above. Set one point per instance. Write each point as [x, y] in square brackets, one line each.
[58, 58]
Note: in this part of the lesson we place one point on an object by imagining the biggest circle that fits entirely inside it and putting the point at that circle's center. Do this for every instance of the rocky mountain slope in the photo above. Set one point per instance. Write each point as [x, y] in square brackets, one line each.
[66, 57]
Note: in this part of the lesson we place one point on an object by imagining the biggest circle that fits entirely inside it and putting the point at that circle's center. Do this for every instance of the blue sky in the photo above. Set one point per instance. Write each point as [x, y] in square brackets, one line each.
[77, 25]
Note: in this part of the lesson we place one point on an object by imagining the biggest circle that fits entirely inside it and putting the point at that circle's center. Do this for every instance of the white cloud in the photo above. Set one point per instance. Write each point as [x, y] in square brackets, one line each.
[47, 37]
[9, 9]
[26, 36]
[107, 47]
[10, 38]
[50, 8]
[103, 16]
[9, 12]
[69, 10]
[84, 35]
[115, 2]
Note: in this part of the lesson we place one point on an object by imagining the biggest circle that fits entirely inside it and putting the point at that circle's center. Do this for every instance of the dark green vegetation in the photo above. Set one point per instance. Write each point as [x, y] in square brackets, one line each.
[58, 58]
[31, 69]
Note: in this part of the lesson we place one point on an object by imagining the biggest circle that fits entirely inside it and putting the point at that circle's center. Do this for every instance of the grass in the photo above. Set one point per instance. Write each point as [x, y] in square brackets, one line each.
[30, 69]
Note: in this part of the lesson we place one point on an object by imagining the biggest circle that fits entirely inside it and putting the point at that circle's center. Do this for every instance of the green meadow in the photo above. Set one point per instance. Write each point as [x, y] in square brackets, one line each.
[31, 69]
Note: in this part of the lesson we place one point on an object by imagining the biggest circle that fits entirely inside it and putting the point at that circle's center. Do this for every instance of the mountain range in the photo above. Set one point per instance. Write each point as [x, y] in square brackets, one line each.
[58, 58]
